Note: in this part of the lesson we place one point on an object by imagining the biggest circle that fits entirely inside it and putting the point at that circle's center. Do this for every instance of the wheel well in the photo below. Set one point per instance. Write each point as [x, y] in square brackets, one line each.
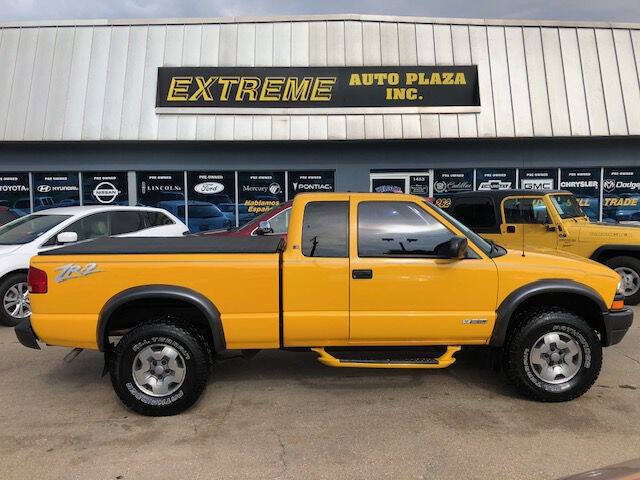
[583, 306]
[606, 255]
[13, 272]
[136, 312]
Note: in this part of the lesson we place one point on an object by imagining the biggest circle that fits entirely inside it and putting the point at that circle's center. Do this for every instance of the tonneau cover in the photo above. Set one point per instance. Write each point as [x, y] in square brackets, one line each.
[172, 245]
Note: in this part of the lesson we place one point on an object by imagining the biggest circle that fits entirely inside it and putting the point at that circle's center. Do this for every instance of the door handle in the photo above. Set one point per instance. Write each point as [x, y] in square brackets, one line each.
[511, 229]
[362, 274]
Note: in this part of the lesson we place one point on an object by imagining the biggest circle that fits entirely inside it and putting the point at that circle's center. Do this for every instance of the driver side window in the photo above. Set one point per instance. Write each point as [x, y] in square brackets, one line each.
[89, 227]
[525, 211]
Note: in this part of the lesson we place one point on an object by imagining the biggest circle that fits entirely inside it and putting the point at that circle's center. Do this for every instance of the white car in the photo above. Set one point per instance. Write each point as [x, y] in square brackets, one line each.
[47, 229]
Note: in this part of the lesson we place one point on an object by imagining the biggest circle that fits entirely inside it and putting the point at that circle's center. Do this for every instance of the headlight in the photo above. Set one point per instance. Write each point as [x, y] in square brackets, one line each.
[620, 288]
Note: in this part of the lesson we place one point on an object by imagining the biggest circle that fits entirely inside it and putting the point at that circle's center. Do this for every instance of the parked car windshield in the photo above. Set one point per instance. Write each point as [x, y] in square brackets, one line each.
[481, 243]
[28, 228]
[201, 211]
[567, 206]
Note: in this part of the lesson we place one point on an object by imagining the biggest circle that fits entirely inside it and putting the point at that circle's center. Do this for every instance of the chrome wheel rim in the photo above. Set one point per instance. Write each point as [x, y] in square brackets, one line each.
[555, 357]
[159, 370]
[16, 301]
[630, 280]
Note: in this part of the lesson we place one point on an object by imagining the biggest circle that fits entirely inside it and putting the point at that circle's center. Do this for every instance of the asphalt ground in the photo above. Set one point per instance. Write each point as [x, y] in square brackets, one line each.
[284, 415]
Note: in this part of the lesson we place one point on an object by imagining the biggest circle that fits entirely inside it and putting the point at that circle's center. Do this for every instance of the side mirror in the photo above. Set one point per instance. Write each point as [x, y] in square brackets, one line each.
[550, 227]
[455, 248]
[67, 237]
[264, 228]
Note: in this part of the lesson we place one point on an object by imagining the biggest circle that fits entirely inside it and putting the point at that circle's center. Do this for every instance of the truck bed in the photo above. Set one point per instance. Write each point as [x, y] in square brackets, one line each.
[172, 245]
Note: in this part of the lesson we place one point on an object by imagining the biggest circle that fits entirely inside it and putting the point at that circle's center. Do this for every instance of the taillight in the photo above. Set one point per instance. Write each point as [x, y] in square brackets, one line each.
[37, 280]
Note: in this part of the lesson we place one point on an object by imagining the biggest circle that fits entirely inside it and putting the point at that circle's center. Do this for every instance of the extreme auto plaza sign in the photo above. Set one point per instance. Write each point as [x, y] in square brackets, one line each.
[306, 90]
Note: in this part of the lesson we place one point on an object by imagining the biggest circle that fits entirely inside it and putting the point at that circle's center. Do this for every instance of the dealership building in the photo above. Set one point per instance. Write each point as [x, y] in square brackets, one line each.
[236, 115]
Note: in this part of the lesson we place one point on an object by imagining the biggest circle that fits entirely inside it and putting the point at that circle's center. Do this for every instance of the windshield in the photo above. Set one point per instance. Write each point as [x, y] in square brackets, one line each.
[567, 206]
[481, 243]
[27, 229]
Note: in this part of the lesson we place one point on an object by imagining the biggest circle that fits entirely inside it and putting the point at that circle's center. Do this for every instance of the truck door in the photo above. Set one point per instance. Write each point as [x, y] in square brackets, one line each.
[316, 275]
[401, 293]
[527, 219]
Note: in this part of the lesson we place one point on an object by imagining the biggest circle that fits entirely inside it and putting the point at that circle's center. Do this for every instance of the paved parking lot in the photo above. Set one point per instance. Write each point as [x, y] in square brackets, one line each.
[283, 415]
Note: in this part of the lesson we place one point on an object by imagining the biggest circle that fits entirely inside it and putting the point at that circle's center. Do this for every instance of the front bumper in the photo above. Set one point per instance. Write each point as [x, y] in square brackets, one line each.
[616, 324]
[25, 334]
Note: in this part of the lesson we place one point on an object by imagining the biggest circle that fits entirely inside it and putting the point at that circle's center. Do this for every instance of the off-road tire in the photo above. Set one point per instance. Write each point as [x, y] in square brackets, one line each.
[530, 326]
[9, 281]
[632, 264]
[196, 361]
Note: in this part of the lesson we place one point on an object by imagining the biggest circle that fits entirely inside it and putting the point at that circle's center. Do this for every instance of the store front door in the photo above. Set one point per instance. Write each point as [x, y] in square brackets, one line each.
[417, 183]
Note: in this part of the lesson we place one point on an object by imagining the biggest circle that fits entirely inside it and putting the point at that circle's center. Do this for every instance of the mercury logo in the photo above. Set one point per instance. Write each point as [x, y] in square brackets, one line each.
[275, 188]
[209, 188]
[105, 192]
[44, 188]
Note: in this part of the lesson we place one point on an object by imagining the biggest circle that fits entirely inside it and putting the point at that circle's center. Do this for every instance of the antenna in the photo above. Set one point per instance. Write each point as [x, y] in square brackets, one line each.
[522, 212]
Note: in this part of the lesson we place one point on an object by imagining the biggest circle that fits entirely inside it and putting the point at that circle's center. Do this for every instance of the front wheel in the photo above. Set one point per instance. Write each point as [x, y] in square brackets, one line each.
[552, 355]
[159, 369]
[629, 270]
[14, 293]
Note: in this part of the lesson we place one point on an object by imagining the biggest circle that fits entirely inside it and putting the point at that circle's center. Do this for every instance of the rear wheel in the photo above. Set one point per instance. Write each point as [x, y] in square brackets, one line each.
[159, 369]
[552, 355]
[629, 269]
[14, 293]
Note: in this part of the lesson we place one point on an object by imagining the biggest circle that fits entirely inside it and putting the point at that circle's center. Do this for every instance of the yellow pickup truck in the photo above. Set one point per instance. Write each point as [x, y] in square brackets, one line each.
[364, 280]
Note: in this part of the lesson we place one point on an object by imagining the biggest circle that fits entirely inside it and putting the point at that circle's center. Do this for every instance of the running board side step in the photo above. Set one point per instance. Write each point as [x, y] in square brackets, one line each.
[443, 361]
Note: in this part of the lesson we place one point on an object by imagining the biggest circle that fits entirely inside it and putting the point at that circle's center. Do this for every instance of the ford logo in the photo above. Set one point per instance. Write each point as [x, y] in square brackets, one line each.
[44, 188]
[209, 188]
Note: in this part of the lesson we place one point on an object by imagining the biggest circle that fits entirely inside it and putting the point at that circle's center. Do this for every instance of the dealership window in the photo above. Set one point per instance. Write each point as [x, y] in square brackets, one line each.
[398, 229]
[105, 188]
[452, 181]
[211, 201]
[162, 190]
[259, 192]
[538, 178]
[310, 181]
[325, 230]
[15, 194]
[621, 195]
[58, 189]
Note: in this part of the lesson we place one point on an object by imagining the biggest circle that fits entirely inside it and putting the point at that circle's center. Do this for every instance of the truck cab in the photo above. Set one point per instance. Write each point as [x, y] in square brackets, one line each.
[550, 221]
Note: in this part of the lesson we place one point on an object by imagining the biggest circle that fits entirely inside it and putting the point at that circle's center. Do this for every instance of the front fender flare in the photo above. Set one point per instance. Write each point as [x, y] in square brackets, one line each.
[509, 305]
[150, 292]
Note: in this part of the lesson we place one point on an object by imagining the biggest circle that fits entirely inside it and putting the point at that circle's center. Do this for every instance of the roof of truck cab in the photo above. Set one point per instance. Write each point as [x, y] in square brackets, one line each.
[500, 194]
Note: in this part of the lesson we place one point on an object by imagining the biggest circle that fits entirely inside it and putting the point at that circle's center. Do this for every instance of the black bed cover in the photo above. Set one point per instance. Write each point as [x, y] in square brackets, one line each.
[169, 245]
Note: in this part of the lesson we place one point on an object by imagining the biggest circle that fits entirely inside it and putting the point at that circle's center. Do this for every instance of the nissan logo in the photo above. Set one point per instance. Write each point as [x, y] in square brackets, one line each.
[105, 192]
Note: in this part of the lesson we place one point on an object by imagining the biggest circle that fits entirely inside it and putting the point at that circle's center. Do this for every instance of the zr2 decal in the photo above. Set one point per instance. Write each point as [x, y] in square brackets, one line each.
[73, 270]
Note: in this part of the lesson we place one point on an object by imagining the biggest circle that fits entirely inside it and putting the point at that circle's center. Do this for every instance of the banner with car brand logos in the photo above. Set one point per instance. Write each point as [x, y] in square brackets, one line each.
[105, 188]
[163, 190]
[538, 178]
[308, 181]
[259, 192]
[316, 89]
[15, 193]
[55, 190]
[495, 178]
[584, 183]
[621, 195]
[212, 200]
[452, 181]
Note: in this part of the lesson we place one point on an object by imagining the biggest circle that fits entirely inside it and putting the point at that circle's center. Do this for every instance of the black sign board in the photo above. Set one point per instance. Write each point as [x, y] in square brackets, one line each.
[621, 194]
[317, 87]
[162, 190]
[104, 188]
[538, 178]
[15, 193]
[495, 178]
[259, 192]
[388, 185]
[584, 183]
[306, 181]
[419, 185]
[55, 190]
[212, 200]
[452, 181]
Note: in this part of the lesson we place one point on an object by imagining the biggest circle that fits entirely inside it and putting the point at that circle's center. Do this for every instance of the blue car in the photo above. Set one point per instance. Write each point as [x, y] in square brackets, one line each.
[203, 216]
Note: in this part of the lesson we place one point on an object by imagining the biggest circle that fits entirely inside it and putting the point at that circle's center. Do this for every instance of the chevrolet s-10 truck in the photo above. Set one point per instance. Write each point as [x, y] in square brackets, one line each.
[364, 280]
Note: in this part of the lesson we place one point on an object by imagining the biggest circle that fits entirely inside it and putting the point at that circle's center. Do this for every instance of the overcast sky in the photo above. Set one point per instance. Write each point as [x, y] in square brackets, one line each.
[599, 10]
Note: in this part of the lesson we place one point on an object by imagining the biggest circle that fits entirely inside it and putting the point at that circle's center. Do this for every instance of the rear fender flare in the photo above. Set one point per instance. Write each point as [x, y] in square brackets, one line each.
[150, 292]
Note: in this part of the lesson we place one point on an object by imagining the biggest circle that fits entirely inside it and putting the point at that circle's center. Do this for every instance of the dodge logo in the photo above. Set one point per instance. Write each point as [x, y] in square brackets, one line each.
[609, 185]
